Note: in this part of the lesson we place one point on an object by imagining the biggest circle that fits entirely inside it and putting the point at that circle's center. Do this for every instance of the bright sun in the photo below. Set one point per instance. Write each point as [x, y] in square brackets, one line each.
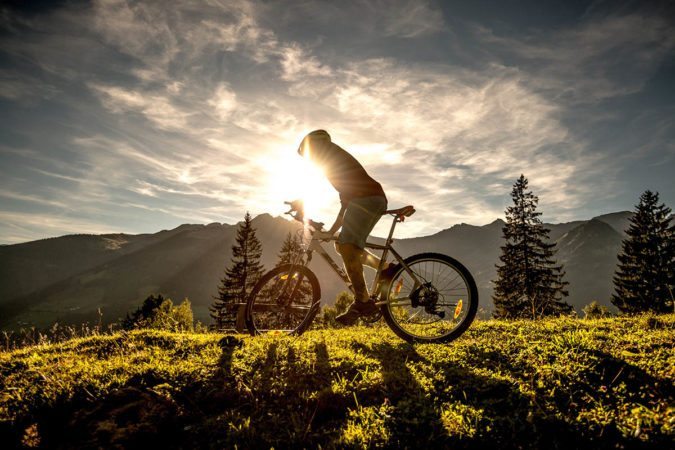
[291, 177]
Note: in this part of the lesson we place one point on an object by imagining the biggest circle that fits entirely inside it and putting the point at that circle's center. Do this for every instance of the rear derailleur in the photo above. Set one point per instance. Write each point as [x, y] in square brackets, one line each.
[426, 295]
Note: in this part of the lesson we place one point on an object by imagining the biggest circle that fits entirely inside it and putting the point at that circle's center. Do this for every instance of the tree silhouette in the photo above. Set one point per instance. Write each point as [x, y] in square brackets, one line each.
[529, 283]
[290, 249]
[328, 313]
[244, 271]
[645, 278]
[149, 308]
[594, 310]
[160, 313]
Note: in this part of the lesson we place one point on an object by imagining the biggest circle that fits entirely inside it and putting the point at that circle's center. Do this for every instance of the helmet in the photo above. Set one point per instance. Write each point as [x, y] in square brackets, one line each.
[316, 139]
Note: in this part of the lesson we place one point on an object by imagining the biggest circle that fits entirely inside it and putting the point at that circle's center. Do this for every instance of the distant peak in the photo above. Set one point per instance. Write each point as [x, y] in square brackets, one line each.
[615, 215]
[263, 216]
[618, 220]
[596, 223]
[187, 226]
[266, 218]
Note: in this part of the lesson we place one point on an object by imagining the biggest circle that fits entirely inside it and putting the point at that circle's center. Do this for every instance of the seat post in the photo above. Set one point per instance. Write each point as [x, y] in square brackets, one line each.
[383, 257]
[391, 231]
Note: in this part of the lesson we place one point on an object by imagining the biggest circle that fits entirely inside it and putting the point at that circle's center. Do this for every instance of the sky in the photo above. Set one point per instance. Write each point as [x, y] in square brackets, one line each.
[138, 116]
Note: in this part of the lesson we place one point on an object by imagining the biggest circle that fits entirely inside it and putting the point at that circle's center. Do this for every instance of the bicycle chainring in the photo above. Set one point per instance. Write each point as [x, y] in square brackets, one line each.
[372, 318]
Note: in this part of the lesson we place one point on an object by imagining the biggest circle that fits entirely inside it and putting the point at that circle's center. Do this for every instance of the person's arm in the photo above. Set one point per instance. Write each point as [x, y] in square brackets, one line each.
[338, 220]
[326, 235]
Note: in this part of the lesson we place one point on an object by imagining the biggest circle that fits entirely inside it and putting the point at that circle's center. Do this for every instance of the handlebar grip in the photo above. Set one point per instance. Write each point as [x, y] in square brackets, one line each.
[318, 226]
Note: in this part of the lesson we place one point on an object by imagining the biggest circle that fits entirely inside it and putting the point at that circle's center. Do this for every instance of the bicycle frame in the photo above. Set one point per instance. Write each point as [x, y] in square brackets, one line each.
[316, 246]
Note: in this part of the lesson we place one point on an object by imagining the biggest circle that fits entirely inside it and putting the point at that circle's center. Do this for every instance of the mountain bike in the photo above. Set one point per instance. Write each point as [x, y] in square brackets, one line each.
[427, 297]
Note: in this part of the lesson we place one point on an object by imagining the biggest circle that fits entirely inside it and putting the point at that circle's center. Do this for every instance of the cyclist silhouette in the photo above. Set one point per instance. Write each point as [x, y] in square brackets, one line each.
[362, 203]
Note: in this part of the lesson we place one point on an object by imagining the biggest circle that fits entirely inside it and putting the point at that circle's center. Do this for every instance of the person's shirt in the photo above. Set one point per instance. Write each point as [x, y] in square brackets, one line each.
[347, 175]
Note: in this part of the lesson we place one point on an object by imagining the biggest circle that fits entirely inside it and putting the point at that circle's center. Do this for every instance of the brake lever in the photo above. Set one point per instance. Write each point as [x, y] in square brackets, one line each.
[318, 226]
[297, 207]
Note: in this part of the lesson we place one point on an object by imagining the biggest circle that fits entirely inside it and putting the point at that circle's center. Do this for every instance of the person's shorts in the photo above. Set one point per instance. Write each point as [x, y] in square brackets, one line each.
[360, 218]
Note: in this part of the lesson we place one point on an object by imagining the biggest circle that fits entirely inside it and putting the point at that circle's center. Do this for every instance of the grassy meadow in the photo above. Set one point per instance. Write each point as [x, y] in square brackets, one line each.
[557, 383]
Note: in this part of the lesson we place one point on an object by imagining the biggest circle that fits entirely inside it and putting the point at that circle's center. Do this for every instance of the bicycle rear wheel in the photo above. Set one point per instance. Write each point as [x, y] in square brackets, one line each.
[285, 299]
[438, 307]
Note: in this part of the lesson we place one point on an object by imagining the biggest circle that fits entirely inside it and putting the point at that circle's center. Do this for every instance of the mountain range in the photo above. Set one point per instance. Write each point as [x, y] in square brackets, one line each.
[77, 278]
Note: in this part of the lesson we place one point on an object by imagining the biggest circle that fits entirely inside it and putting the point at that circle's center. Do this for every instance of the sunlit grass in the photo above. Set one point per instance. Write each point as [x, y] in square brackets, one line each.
[555, 383]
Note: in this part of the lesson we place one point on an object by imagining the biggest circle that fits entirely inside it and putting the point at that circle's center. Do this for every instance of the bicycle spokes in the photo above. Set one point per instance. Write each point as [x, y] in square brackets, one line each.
[282, 300]
[426, 299]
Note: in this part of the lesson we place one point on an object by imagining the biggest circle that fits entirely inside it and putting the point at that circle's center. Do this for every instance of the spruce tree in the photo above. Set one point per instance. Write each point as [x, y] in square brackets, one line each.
[645, 278]
[529, 283]
[290, 249]
[244, 271]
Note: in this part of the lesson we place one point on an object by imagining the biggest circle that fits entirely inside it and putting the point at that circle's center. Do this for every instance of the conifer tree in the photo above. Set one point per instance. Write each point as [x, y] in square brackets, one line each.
[290, 249]
[529, 283]
[645, 278]
[244, 271]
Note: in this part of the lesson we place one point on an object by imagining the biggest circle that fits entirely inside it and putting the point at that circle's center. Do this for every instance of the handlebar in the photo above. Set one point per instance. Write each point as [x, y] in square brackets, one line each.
[297, 212]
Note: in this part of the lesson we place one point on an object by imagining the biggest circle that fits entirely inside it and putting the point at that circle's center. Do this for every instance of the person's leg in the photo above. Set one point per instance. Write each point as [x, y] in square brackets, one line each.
[368, 259]
[351, 256]
[359, 219]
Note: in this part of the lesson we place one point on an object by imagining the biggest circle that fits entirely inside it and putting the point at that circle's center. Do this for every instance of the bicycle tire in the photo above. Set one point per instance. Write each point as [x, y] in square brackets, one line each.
[463, 290]
[269, 304]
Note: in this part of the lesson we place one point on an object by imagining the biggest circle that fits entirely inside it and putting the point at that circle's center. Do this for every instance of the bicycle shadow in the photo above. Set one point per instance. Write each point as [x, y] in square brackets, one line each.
[463, 408]
[421, 399]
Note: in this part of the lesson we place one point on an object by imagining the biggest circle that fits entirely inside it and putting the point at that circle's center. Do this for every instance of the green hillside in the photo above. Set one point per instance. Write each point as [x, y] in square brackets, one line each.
[564, 383]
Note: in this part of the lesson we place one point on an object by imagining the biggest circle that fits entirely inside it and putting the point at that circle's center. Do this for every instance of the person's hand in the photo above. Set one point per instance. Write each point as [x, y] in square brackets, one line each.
[323, 235]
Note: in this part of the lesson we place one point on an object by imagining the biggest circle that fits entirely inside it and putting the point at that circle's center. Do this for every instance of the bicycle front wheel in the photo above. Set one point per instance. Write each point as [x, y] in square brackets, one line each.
[432, 298]
[284, 300]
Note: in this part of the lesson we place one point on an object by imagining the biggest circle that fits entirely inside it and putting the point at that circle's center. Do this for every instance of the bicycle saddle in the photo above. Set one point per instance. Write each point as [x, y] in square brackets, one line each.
[401, 213]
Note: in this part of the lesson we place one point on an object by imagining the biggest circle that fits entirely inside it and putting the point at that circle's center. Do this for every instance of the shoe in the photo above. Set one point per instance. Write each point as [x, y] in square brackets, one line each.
[357, 310]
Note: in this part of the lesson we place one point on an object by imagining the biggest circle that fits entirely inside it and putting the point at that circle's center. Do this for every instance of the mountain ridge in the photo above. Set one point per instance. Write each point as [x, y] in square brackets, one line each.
[73, 276]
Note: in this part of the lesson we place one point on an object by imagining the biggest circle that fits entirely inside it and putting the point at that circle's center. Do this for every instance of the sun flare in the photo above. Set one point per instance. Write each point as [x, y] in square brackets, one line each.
[292, 177]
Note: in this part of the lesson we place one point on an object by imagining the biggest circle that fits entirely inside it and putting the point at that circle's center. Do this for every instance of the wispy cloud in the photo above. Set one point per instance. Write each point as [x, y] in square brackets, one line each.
[601, 58]
[156, 108]
[31, 199]
[19, 227]
[186, 113]
[224, 101]
[297, 64]
[453, 130]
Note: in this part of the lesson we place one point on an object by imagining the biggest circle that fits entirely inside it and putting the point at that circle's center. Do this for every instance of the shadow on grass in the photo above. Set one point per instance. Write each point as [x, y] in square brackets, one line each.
[148, 411]
[465, 408]
[286, 399]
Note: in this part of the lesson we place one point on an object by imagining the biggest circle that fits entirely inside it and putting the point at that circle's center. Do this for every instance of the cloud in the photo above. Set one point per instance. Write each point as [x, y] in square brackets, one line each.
[31, 199]
[446, 128]
[159, 37]
[360, 19]
[297, 64]
[25, 89]
[408, 19]
[603, 58]
[19, 226]
[224, 101]
[452, 130]
[138, 29]
[186, 112]
[157, 108]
